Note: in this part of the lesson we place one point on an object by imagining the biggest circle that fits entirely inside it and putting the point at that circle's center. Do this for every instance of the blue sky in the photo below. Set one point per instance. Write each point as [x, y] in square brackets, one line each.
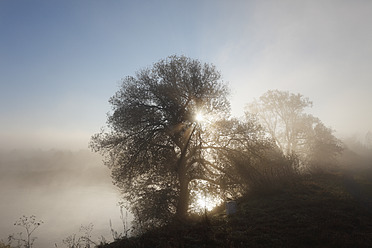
[60, 61]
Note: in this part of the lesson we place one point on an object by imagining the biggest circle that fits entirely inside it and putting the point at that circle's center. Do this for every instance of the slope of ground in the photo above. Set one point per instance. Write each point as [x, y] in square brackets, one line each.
[324, 210]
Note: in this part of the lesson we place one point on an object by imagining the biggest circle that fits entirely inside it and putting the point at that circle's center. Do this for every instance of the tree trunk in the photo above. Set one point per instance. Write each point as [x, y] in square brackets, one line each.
[183, 198]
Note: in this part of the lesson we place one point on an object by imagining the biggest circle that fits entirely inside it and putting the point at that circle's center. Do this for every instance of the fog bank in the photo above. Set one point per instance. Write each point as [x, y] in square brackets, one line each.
[62, 188]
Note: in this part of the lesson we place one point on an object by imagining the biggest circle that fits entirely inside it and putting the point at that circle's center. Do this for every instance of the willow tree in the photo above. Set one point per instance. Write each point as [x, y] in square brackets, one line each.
[154, 143]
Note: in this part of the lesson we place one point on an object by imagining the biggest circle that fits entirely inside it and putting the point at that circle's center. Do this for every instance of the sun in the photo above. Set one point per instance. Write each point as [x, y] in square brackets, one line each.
[199, 117]
[204, 202]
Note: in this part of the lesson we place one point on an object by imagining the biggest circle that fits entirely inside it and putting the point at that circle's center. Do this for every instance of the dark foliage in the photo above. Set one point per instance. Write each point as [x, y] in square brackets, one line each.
[154, 145]
[320, 211]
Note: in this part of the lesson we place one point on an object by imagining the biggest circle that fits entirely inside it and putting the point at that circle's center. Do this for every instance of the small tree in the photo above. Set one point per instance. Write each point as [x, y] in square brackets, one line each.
[323, 147]
[281, 113]
[30, 224]
[295, 132]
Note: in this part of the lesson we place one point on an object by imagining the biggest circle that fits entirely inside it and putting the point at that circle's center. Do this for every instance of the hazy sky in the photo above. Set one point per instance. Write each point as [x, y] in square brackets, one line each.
[60, 61]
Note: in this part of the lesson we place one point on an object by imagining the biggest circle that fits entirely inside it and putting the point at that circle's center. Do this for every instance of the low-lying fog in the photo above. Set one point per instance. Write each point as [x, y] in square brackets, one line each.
[63, 189]
[68, 189]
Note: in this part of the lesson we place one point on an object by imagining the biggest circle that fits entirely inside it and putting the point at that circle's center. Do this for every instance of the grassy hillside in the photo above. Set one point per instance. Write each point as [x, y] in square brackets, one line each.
[324, 210]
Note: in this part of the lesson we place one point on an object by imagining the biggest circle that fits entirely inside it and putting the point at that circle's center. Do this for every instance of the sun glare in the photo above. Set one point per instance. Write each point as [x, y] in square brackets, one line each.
[199, 117]
[203, 202]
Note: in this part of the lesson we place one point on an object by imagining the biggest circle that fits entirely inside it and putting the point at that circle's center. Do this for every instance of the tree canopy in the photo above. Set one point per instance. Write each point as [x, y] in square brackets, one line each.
[155, 146]
[170, 134]
[283, 115]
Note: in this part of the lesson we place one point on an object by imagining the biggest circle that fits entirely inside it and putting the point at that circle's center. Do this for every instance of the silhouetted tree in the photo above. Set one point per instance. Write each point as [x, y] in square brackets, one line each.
[282, 114]
[155, 146]
[323, 146]
[251, 160]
